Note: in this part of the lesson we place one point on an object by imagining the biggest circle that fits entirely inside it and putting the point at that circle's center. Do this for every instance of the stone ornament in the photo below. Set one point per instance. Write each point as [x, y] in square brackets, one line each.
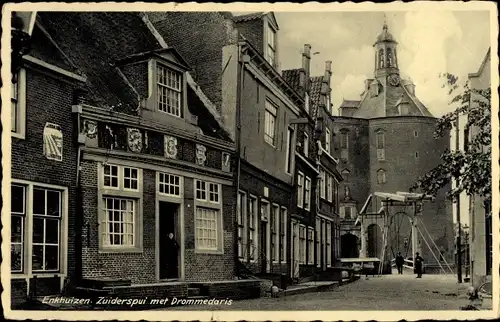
[201, 154]
[134, 140]
[226, 161]
[90, 128]
[170, 147]
[53, 142]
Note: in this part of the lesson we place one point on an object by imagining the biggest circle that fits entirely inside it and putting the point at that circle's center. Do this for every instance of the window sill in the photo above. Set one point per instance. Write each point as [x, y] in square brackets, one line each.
[208, 252]
[16, 135]
[37, 275]
[134, 250]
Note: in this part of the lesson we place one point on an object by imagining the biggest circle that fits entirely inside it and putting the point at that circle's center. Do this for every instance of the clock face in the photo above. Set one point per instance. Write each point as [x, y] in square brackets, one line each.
[394, 80]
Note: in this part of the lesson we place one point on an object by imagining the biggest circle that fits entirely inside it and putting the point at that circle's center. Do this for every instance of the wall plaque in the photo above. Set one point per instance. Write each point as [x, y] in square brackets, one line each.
[134, 140]
[170, 147]
[200, 154]
[90, 128]
[226, 162]
[53, 142]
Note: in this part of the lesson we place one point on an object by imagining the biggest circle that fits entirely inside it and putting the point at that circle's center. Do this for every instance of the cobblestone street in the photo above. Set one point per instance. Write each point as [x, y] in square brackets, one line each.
[432, 292]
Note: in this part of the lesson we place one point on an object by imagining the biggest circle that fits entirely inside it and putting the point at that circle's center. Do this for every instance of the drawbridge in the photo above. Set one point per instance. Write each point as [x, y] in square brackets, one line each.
[394, 207]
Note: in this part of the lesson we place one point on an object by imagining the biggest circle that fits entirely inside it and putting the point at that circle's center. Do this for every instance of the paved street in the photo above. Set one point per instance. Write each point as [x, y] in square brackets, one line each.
[396, 292]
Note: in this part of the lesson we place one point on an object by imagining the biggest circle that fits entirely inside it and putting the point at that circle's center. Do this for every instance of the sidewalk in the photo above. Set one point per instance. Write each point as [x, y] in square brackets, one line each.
[314, 286]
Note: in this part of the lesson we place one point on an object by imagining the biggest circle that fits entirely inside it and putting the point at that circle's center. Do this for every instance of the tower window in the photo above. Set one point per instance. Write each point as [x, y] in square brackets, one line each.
[389, 57]
[415, 134]
[381, 176]
[416, 155]
[381, 58]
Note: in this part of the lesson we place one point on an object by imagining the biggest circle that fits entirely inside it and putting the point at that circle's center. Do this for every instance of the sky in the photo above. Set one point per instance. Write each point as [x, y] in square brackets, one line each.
[430, 42]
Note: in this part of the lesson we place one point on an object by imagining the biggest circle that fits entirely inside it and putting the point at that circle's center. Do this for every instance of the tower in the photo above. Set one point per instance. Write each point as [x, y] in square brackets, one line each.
[386, 61]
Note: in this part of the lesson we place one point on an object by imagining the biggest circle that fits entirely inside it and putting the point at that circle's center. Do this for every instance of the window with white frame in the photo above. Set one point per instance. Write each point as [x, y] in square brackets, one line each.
[322, 184]
[119, 222]
[302, 244]
[306, 144]
[307, 194]
[318, 239]
[253, 227]
[169, 90]
[328, 138]
[289, 150]
[347, 212]
[130, 178]
[241, 218]
[329, 192]
[310, 245]
[275, 225]
[111, 177]
[14, 101]
[282, 234]
[328, 244]
[271, 45]
[335, 194]
[323, 239]
[300, 190]
[306, 102]
[381, 176]
[380, 145]
[207, 228]
[45, 215]
[120, 177]
[270, 123]
[207, 191]
[169, 184]
[18, 105]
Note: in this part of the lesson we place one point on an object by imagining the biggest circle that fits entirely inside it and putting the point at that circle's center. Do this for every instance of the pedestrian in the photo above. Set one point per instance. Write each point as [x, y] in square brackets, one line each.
[172, 249]
[419, 262]
[399, 263]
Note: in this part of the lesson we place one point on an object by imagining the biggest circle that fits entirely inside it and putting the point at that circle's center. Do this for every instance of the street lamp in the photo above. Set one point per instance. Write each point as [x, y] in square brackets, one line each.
[20, 45]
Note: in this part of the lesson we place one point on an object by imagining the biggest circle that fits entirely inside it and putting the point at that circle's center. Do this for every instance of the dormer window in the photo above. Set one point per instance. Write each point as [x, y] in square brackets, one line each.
[169, 90]
[271, 45]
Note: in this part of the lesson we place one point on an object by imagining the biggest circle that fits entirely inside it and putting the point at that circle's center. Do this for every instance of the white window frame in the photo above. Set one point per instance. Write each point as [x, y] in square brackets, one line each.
[207, 189]
[120, 177]
[270, 123]
[27, 233]
[328, 244]
[329, 192]
[310, 245]
[328, 138]
[380, 145]
[271, 45]
[307, 193]
[275, 233]
[289, 151]
[218, 228]
[381, 176]
[20, 104]
[318, 241]
[169, 185]
[302, 244]
[253, 213]
[300, 190]
[204, 206]
[322, 183]
[344, 138]
[241, 218]
[415, 133]
[283, 235]
[306, 145]
[173, 111]
[111, 176]
[105, 232]
[125, 178]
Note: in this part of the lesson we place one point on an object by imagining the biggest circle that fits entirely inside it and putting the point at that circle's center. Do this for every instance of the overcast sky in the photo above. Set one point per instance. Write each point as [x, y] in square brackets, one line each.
[430, 42]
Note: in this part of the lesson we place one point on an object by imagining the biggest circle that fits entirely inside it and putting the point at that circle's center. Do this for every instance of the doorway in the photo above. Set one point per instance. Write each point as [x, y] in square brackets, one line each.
[169, 248]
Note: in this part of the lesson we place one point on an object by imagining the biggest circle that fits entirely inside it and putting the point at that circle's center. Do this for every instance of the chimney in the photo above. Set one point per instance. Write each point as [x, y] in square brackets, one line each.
[306, 67]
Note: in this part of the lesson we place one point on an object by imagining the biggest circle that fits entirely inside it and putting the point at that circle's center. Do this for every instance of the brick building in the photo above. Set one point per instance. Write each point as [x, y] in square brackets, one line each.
[269, 114]
[385, 143]
[110, 129]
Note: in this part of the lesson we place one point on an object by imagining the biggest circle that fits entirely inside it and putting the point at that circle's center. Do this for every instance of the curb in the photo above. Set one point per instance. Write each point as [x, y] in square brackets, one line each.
[313, 288]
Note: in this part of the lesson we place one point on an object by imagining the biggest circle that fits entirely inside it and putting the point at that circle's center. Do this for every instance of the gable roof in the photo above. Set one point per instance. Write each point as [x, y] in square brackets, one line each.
[95, 41]
[350, 104]
[292, 77]
[255, 16]
[483, 63]
[315, 92]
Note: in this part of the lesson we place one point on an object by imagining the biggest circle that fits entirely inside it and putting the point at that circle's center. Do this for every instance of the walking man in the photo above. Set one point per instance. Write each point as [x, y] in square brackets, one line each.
[419, 262]
[399, 263]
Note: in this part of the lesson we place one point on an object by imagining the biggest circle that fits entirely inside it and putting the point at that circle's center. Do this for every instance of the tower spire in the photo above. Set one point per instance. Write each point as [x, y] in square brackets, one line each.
[385, 23]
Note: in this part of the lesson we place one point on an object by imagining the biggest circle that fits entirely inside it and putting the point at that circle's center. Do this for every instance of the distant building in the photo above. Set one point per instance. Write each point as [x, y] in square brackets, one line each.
[480, 219]
[384, 143]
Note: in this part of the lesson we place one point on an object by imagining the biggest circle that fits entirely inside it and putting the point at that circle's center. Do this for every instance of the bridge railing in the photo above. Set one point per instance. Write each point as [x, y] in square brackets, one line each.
[407, 263]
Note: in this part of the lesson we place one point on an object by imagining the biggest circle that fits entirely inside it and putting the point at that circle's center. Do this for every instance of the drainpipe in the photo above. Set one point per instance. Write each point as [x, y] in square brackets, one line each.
[243, 60]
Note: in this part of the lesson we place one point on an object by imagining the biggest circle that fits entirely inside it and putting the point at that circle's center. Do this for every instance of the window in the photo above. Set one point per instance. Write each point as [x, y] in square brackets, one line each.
[169, 184]
[302, 244]
[17, 226]
[322, 183]
[380, 146]
[389, 57]
[416, 155]
[207, 191]
[381, 58]
[271, 45]
[328, 244]
[345, 175]
[18, 106]
[307, 199]
[327, 140]
[329, 192]
[347, 212]
[381, 177]
[415, 134]
[300, 190]
[283, 235]
[120, 177]
[328, 104]
[335, 191]
[323, 239]
[253, 231]
[344, 140]
[306, 144]
[119, 222]
[310, 245]
[169, 86]
[274, 225]
[318, 239]
[289, 150]
[207, 228]
[241, 218]
[270, 123]
[306, 102]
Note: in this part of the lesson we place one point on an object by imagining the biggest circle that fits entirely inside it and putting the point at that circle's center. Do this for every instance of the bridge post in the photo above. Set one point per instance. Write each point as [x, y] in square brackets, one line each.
[363, 236]
[414, 237]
